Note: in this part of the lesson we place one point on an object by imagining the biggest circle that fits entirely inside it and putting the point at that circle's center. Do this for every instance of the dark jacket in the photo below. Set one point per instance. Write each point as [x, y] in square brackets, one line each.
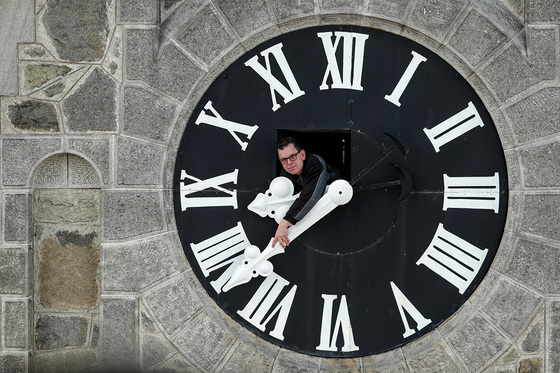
[316, 175]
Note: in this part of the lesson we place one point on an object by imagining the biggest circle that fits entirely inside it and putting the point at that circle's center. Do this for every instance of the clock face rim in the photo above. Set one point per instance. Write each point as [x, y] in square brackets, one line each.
[253, 52]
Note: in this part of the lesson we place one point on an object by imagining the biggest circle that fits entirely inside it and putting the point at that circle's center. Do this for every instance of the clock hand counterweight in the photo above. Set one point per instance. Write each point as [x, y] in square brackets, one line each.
[256, 263]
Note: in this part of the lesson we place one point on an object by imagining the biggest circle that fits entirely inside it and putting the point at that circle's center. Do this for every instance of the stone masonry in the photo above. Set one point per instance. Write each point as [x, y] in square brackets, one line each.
[95, 97]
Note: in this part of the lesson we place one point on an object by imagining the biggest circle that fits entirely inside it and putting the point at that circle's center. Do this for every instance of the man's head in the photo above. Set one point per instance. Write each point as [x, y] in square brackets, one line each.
[291, 155]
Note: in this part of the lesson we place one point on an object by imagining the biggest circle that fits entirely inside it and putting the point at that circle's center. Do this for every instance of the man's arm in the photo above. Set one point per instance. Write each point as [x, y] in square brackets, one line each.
[281, 235]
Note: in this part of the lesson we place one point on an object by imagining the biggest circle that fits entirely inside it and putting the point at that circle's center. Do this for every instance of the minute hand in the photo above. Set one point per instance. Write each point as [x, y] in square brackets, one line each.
[256, 263]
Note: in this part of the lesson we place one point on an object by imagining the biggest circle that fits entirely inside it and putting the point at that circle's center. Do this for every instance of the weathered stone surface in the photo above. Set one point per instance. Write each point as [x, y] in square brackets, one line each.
[434, 357]
[553, 335]
[16, 26]
[34, 116]
[532, 342]
[541, 215]
[536, 265]
[246, 16]
[531, 365]
[172, 72]
[173, 304]
[17, 217]
[81, 172]
[119, 334]
[176, 364]
[541, 165]
[78, 29]
[536, 116]
[392, 9]
[435, 18]
[15, 318]
[122, 263]
[142, 11]
[473, 339]
[511, 72]
[68, 267]
[37, 75]
[476, 38]
[51, 172]
[132, 213]
[245, 357]
[147, 115]
[349, 6]
[287, 9]
[13, 271]
[19, 155]
[78, 206]
[139, 163]
[208, 27]
[146, 322]
[155, 349]
[13, 362]
[287, 363]
[93, 105]
[54, 332]
[96, 149]
[391, 362]
[66, 361]
[55, 89]
[543, 11]
[204, 342]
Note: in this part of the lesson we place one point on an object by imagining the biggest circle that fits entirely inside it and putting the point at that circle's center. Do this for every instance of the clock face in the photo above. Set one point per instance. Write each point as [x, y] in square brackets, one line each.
[429, 189]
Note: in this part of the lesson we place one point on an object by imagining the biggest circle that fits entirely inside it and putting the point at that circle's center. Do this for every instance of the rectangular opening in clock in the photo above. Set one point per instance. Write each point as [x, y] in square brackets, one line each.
[332, 145]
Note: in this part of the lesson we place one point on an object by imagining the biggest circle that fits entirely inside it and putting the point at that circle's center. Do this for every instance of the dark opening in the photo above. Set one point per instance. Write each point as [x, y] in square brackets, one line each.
[332, 145]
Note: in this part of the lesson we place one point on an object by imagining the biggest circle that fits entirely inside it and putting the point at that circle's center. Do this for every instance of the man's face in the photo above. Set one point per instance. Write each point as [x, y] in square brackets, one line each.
[292, 167]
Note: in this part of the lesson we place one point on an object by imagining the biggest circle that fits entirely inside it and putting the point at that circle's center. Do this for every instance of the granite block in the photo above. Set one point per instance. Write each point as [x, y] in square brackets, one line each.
[391, 9]
[246, 16]
[537, 115]
[13, 270]
[38, 74]
[512, 72]
[131, 213]
[78, 29]
[155, 349]
[173, 304]
[289, 9]
[51, 172]
[430, 355]
[147, 115]
[476, 38]
[473, 339]
[205, 35]
[17, 217]
[245, 357]
[97, 150]
[13, 362]
[541, 215]
[535, 264]
[121, 263]
[34, 116]
[119, 334]
[434, 18]
[204, 342]
[20, 155]
[540, 165]
[53, 332]
[167, 69]
[547, 11]
[93, 105]
[81, 173]
[74, 360]
[553, 335]
[288, 363]
[139, 163]
[177, 364]
[15, 319]
[141, 11]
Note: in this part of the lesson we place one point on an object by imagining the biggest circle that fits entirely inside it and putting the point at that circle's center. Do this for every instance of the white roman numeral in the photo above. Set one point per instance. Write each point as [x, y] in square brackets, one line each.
[275, 85]
[457, 125]
[223, 249]
[264, 299]
[201, 185]
[453, 258]
[352, 59]
[216, 120]
[477, 192]
[405, 305]
[342, 323]
[395, 97]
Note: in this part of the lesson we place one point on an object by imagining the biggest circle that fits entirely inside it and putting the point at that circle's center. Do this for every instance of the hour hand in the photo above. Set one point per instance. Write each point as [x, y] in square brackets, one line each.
[256, 263]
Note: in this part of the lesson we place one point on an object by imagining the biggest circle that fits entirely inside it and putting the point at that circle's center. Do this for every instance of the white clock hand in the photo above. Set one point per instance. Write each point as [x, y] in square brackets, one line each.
[256, 263]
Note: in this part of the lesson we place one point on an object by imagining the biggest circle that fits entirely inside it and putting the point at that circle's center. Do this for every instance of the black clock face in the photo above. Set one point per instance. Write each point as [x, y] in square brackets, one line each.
[414, 141]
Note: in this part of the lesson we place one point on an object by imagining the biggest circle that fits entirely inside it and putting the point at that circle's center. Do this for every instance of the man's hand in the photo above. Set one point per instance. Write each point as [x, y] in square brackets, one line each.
[281, 235]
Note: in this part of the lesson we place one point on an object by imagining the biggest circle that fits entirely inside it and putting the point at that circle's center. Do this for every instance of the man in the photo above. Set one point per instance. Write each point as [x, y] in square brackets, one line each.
[310, 175]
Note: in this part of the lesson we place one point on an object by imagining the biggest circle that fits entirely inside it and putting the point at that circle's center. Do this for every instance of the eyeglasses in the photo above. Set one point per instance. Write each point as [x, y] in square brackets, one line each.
[292, 158]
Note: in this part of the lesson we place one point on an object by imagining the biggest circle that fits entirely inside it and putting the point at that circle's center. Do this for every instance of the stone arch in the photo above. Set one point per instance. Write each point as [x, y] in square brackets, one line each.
[66, 252]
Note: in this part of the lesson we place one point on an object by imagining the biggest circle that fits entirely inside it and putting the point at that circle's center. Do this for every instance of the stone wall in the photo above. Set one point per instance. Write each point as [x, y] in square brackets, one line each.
[89, 135]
